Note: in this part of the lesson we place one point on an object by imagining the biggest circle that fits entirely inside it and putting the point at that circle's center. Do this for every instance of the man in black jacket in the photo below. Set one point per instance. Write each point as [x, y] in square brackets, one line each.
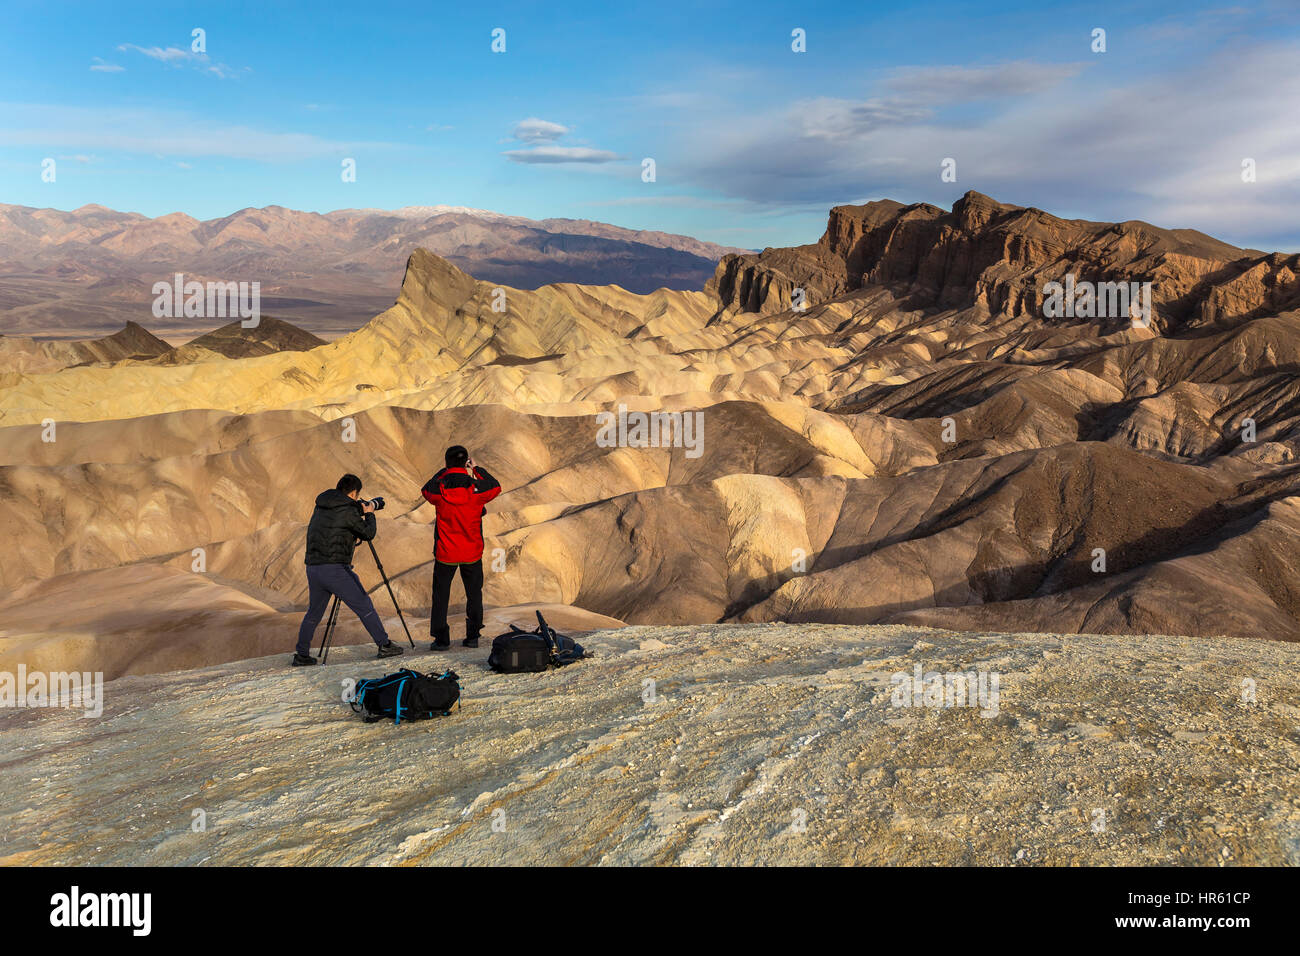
[340, 520]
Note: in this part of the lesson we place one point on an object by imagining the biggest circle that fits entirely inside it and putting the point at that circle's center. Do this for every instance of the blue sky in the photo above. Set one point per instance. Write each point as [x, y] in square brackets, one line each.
[752, 142]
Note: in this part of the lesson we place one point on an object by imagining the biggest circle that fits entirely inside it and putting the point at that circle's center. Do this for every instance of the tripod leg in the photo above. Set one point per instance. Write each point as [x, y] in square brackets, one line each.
[323, 654]
[400, 616]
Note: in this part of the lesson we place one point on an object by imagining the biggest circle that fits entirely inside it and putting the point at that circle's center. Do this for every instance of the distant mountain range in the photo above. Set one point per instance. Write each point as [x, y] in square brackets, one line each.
[87, 272]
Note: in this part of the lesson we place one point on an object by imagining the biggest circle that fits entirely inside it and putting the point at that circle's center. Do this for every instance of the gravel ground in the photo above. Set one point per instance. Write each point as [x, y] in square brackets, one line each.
[727, 744]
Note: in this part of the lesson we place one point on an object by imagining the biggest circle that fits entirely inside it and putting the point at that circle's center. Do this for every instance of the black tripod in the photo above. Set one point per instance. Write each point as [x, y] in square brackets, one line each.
[323, 654]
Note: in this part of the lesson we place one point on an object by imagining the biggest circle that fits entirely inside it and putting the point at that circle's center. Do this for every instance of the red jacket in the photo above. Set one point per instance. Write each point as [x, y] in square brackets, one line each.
[459, 498]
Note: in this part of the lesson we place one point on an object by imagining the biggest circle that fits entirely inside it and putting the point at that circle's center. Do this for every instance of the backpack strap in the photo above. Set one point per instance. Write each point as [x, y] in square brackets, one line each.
[358, 694]
[544, 629]
[398, 718]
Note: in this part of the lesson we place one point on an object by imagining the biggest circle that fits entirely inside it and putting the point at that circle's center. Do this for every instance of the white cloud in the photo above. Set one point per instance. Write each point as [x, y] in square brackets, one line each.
[164, 132]
[944, 85]
[545, 155]
[175, 56]
[221, 71]
[916, 94]
[102, 66]
[169, 54]
[685, 201]
[544, 151]
[1165, 147]
[534, 130]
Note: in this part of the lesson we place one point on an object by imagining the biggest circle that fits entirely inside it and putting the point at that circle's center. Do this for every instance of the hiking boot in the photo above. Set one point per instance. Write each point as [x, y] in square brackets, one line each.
[303, 660]
[440, 646]
[470, 642]
[389, 650]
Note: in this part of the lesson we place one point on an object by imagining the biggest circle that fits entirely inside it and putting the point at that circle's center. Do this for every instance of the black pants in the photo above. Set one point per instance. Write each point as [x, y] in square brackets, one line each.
[471, 575]
[327, 580]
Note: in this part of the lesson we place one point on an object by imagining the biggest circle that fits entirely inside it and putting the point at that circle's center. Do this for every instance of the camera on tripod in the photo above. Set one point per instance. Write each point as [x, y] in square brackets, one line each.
[377, 503]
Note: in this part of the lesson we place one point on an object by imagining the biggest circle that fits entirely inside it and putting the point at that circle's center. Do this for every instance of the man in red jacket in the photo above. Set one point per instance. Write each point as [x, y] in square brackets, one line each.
[459, 492]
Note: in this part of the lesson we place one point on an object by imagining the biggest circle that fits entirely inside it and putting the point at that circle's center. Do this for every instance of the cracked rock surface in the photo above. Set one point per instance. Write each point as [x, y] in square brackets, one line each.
[723, 744]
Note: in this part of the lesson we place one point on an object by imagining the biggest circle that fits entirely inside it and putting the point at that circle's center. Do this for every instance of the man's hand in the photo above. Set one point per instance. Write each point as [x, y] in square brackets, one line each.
[367, 508]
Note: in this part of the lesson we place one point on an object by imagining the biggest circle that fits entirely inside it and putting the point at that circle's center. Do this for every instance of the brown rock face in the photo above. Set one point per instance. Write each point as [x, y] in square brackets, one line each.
[999, 257]
[235, 341]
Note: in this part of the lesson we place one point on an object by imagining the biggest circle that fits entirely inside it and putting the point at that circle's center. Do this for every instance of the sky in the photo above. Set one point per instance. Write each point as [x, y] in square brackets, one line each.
[752, 141]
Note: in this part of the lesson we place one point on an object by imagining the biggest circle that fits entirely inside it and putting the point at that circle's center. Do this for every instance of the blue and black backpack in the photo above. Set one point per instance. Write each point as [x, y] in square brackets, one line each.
[407, 695]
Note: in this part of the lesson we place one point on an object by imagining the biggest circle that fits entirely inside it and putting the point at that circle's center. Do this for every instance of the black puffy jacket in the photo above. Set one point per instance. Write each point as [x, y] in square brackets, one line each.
[336, 526]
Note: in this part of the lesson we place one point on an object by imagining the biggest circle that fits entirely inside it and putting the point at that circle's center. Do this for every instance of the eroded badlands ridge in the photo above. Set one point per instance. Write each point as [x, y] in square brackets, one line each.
[759, 744]
[920, 444]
